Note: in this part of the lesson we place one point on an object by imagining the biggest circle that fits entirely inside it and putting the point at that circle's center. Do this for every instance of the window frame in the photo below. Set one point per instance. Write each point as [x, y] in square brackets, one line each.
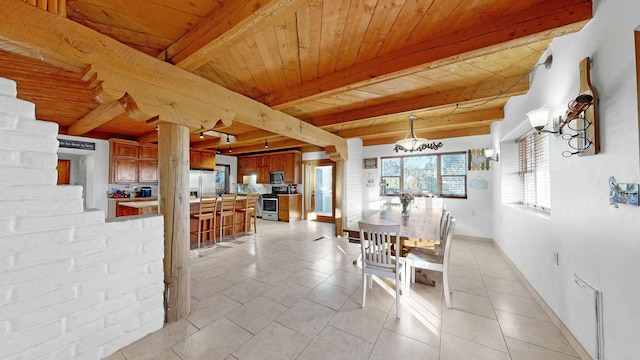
[439, 175]
[534, 162]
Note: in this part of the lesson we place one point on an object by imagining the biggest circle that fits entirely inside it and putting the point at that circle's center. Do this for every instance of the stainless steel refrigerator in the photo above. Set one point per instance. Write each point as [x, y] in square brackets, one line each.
[203, 182]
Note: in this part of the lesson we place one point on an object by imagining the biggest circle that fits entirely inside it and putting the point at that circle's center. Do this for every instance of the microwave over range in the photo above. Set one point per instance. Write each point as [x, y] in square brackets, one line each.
[276, 177]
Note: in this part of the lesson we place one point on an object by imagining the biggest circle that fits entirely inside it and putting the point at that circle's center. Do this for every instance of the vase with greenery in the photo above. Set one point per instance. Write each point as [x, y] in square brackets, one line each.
[405, 201]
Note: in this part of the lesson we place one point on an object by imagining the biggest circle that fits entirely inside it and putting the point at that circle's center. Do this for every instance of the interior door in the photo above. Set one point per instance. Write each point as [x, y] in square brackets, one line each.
[64, 171]
[319, 199]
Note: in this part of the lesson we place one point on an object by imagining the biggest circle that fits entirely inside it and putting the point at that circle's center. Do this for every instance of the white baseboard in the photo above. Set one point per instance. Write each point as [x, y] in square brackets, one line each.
[584, 355]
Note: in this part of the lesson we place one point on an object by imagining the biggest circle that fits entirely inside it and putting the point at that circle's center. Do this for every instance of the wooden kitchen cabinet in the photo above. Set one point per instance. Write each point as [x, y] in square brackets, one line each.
[148, 171]
[123, 148]
[289, 207]
[207, 160]
[262, 165]
[202, 160]
[262, 161]
[263, 175]
[292, 163]
[131, 162]
[148, 152]
[124, 170]
[276, 162]
[194, 159]
[126, 211]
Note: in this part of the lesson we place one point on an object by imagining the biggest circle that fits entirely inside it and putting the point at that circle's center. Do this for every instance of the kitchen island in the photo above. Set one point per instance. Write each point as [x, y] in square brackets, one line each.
[138, 206]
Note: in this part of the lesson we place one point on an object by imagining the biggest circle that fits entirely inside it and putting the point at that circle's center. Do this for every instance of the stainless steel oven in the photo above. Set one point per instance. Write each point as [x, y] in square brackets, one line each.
[270, 207]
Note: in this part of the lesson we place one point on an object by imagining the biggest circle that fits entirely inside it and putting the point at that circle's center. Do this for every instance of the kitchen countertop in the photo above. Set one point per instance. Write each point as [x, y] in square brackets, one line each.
[139, 198]
[144, 203]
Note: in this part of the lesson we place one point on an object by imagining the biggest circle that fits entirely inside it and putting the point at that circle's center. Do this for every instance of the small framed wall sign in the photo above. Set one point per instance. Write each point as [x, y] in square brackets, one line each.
[371, 163]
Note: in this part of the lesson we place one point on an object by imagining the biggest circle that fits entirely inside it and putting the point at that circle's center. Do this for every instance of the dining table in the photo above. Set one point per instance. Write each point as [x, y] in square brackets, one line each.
[420, 229]
[421, 224]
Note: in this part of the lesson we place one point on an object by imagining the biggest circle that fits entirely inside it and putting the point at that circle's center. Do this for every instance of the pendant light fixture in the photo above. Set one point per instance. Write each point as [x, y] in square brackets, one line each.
[413, 143]
[266, 144]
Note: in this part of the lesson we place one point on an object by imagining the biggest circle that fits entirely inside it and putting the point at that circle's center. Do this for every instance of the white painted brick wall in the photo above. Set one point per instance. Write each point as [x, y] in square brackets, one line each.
[354, 174]
[71, 285]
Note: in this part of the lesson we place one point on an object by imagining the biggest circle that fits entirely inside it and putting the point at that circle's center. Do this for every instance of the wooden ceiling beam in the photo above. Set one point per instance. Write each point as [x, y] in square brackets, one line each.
[276, 145]
[423, 124]
[160, 89]
[106, 112]
[508, 87]
[148, 138]
[227, 25]
[528, 26]
[99, 116]
[444, 134]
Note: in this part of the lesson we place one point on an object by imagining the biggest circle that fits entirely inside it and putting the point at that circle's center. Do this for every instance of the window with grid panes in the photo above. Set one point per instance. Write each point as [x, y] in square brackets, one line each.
[533, 160]
[444, 175]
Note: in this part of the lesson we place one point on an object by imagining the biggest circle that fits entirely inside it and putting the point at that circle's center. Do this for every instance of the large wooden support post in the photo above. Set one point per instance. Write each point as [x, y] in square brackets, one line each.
[173, 162]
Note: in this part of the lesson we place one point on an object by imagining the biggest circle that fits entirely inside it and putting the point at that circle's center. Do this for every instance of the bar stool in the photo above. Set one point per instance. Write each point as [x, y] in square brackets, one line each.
[227, 209]
[206, 216]
[248, 211]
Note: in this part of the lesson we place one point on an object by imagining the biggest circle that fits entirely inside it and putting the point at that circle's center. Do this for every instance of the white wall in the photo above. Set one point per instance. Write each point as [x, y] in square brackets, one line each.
[71, 285]
[232, 161]
[353, 193]
[96, 163]
[594, 240]
[474, 215]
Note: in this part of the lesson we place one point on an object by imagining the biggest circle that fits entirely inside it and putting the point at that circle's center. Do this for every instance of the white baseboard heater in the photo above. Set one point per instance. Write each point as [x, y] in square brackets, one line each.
[594, 303]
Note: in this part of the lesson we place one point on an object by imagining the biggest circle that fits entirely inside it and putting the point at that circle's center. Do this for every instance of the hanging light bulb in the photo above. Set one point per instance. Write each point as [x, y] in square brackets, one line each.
[218, 151]
[201, 135]
[229, 148]
[266, 144]
[228, 139]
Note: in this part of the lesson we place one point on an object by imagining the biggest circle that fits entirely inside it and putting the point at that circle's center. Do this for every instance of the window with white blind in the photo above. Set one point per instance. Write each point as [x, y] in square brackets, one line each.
[533, 165]
[444, 174]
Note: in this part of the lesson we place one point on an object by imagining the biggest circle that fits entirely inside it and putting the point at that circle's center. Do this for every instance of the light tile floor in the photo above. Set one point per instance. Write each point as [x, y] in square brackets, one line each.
[292, 292]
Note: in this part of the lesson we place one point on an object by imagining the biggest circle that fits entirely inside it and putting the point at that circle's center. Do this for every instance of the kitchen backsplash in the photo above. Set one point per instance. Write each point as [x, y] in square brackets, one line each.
[131, 188]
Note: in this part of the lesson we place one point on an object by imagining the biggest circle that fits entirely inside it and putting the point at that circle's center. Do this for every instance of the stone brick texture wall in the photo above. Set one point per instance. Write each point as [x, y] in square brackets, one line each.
[72, 286]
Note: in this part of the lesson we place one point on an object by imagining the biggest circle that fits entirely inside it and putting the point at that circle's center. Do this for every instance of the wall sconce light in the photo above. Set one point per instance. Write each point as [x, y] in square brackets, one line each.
[488, 153]
[539, 119]
[574, 119]
[228, 138]
[266, 144]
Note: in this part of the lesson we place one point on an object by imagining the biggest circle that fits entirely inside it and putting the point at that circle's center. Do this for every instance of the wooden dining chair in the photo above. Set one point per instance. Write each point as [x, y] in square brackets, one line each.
[434, 261]
[249, 211]
[429, 244]
[227, 210]
[378, 244]
[206, 218]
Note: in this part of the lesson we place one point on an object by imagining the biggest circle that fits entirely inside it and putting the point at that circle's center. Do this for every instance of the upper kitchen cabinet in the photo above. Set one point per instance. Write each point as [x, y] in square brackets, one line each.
[292, 163]
[207, 160]
[202, 160]
[148, 164]
[262, 165]
[131, 162]
[276, 162]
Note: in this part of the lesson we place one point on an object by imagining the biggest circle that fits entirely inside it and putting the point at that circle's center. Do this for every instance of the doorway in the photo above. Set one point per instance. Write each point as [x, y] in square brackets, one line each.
[64, 171]
[319, 190]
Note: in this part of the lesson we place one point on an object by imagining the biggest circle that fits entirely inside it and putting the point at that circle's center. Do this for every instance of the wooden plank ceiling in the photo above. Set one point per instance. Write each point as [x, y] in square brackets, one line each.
[353, 68]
